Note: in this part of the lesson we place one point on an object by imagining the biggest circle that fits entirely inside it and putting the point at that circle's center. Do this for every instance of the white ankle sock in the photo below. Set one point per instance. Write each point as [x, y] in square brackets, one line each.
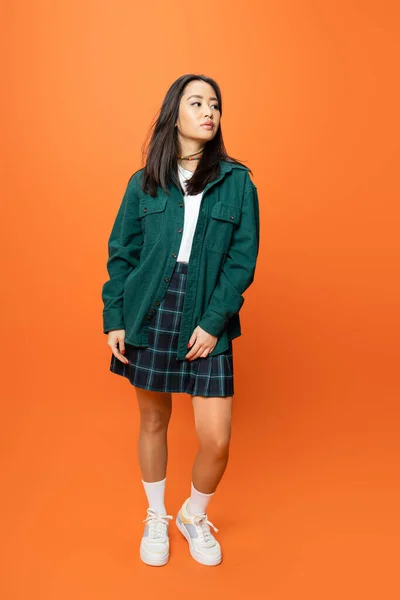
[155, 491]
[198, 501]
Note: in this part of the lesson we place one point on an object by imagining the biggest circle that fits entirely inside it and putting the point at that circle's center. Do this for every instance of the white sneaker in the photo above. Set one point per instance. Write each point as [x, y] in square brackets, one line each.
[154, 546]
[202, 544]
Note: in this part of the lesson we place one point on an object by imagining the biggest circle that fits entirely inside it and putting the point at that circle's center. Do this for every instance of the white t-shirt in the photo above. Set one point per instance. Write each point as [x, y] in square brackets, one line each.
[192, 207]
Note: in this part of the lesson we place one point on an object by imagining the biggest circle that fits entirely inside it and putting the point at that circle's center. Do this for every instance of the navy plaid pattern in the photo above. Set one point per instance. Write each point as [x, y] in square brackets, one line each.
[156, 368]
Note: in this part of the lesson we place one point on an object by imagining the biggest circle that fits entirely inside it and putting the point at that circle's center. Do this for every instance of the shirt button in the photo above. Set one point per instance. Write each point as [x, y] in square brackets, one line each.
[181, 204]
[158, 303]
[153, 310]
[174, 256]
[145, 210]
[232, 217]
[180, 229]
[166, 279]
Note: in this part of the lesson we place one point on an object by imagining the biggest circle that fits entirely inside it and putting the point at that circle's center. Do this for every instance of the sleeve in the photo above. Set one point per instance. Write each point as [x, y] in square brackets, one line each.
[124, 246]
[238, 269]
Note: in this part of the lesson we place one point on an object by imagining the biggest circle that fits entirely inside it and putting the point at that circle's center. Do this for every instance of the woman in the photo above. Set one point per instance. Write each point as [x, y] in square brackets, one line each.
[182, 251]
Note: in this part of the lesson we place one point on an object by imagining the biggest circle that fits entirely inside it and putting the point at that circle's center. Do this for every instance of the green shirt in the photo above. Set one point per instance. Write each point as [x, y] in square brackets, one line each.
[143, 247]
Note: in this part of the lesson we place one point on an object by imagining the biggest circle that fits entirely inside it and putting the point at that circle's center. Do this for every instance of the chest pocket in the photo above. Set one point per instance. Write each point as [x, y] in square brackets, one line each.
[225, 218]
[152, 214]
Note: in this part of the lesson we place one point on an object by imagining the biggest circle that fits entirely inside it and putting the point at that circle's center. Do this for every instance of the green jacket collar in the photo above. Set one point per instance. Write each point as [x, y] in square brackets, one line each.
[225, 167]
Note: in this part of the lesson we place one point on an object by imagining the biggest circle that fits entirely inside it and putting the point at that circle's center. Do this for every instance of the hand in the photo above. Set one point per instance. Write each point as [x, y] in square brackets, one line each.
[115, 338]
[203, 342]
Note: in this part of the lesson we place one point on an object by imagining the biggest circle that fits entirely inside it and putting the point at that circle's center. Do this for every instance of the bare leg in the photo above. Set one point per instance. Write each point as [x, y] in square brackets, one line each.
[155, 413]
[213, 426]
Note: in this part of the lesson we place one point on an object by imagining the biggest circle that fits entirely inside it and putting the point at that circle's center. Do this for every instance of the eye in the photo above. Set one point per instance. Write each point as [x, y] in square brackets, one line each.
[216, 105]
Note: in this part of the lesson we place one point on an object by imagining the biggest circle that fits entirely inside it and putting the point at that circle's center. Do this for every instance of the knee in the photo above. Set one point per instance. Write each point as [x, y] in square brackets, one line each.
[154, 422]
[215, 445]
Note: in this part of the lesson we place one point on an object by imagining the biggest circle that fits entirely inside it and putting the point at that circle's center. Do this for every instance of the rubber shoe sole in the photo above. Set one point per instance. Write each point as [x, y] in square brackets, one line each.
[151, 559]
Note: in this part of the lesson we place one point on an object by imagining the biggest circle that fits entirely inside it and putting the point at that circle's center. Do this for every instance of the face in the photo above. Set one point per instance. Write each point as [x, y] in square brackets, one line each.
[198, 105]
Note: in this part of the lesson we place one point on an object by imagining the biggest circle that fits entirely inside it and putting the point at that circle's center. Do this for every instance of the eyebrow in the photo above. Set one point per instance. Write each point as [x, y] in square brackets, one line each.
[197, 96]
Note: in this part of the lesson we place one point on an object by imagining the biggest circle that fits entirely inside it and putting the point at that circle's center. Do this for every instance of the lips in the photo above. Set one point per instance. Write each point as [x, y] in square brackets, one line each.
[208, 124]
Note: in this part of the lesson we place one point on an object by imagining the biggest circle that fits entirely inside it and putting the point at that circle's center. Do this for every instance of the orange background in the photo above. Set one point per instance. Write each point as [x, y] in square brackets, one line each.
[308, 506]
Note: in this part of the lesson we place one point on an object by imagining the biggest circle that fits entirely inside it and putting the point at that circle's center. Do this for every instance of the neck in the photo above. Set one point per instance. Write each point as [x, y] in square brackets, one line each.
[188, 149]
[190, 165]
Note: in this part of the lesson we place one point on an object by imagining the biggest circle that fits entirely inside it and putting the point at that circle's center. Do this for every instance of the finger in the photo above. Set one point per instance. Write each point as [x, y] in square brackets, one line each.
[193, 348]
[117, 354]
[192, 340]
[207, 352]
[192, 351]
[122, 358]
[195, 352]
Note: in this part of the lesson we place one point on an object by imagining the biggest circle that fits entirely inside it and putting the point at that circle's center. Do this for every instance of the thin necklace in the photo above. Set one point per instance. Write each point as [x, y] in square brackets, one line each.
[191, 156]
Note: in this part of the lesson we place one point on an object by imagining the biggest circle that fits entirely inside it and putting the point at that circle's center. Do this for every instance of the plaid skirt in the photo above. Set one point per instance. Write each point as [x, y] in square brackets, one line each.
[156, 368]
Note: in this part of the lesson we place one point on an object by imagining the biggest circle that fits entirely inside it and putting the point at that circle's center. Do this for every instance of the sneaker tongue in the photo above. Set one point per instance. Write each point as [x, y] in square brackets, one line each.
[207, 538]
[157, 530]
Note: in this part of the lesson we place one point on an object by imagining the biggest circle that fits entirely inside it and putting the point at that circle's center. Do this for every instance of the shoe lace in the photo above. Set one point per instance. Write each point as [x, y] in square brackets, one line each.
[203, 529]
[157, 524]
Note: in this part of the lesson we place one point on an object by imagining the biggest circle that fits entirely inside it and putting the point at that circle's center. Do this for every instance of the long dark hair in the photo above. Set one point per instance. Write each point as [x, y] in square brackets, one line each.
[162, 150]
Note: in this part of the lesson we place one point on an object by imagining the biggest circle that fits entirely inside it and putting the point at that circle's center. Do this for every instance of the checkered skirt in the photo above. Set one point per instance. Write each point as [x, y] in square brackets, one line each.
[156, 368]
